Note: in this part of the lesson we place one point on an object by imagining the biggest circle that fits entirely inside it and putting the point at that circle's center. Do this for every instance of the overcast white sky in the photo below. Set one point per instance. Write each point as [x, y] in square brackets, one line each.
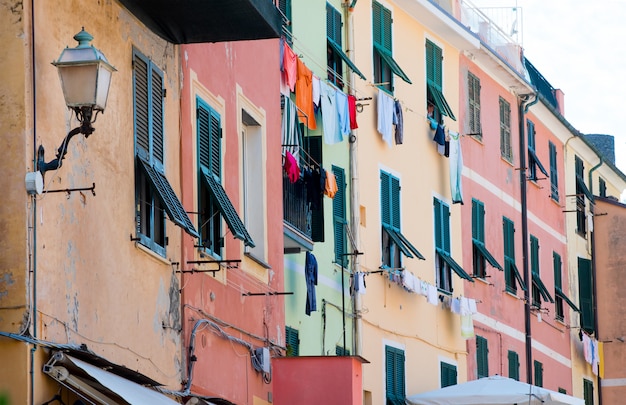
[579, 46]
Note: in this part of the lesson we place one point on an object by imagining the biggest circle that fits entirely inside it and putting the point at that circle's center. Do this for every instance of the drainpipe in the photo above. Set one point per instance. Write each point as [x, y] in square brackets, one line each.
[354, 189]
[33, 291]
[593, 268]
[523, 107]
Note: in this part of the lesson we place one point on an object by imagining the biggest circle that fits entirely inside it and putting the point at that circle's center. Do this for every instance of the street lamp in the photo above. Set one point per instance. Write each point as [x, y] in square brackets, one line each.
[85, 77]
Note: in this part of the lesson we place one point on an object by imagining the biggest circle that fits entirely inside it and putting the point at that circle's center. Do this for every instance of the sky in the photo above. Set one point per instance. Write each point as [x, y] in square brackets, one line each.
[579, 46]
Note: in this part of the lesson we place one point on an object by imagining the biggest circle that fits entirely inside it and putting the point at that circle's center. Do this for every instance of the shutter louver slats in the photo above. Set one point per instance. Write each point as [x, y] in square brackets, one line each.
[142, 112]
[157, 117]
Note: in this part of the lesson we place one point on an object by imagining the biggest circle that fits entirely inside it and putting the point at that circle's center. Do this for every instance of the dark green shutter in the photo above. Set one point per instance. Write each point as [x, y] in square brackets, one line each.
[448, 375]
[534, 254]
[538, 374]
[157, 114]
[531, 135]
[588, 391]
[394, 375]
[482, 357]
[209, 139]
[513, 365]
[395, 203]
[554, 173]
[333, 24]
[478, 220]
[339, 215]
[585, 294]
[509, 254]
[556, 259]
[292, 341]
[317, 216]
[602, 185]
[381, 18]
[445, 220]
[385, 198]
[142, 111]
[433, 64]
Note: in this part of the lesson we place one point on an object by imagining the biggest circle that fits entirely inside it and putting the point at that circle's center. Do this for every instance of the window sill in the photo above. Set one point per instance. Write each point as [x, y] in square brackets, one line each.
[444, 292]
[512, 294]
[153, 254]
[257, 260]
[482, 280]
[507, 161]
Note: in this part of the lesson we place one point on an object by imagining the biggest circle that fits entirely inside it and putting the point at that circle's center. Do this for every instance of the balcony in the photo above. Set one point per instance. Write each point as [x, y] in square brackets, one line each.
[193, 21]
[296, 217]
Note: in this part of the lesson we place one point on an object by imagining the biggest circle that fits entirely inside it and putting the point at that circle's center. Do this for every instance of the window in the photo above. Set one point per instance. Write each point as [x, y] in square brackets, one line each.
[533, 160]
[335, 55]
[506, 149]
[513, 365]
[581, 192]
[153, 193]
[480, 253]
[559, 295]
[394, 243]
[434, 83]
[482, 357]
[448, 374]
[539, 290]
[445, 263]
[213, 202]
[588, 391]
[554, 173]
[394, 371]
[292, 341]
[585, 295]
[602, 184]
[253, 169]
[384, 64]
[285, 8]
[339, 217]
[340, 351]
[314, 147]
[538, 374]
[473, 89]
[511, 274]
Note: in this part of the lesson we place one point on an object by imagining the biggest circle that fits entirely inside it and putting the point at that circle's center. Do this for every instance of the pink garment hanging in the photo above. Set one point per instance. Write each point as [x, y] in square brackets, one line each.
[291, 167]
[352, 111]
[290, 66]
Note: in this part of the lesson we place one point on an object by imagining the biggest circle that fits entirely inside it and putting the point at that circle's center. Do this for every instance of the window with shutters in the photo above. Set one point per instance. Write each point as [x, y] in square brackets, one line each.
[335, 56]
[512, 275]
[538, 373]
[314, 149]
[339, 217]
[448, 374]
[384, 64]
[585, 295]
[588, 391]
[292, 341]
[513, 358]
[285, 8]
[558, 300]
[602, 186]
[437, 106]
[482, 357]
[473, 110]
[539, 290]
[581, 192]
[394, 243]
[154, 196]
[554, 173]
[213, 202]
[480, 254]
[506, 147]
[444, 262]
[533, 161]
[253, 172]
[395, 377]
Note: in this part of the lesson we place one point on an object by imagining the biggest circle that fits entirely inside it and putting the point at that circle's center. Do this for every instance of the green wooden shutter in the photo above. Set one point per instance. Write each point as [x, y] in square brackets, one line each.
[588, 392]
[209, 139]
[333, 24]
[292, 341]
[534, 254]
[141, 109]
[433, 64]
[482, 357]
[554, 173]
[317, 216]
[513, 365]
[556, 259]
[157, 114]
[538, 374]
[445, 219]
[395, 203]
[381, 19]
[394, 375]
[386, 29]
[385, 198]
[339, 215]
[509, 254]
[448, 375]
[602, 186]
[585, 294]
[478, 220]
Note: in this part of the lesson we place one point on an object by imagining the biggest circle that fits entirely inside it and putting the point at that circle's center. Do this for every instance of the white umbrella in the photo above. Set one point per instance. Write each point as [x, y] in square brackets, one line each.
[495, 390]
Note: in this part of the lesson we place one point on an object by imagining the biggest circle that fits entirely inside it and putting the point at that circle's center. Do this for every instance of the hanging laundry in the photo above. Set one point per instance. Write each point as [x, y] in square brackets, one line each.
[423, 289]
[284, 86]
[456, 168]
[330, 188]
[343, 118]
[473, 309]
[290, 66]
[359, 282]
[440, 135]
[595, 356]
[310, 274]
[328, 102]
[432, 295]
[398, 120]
[587, 349]
[290, 129]
[291, 167]
[316, 91]
[433, 123]
[352, 111]
[408, 281]
[385, 116]
[304, 95]
[467, 323]
[455, 306]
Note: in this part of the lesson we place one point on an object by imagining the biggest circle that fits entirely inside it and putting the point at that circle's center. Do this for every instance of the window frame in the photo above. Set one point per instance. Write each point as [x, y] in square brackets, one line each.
[473, 106]
[480, 254]
[514, 364]
[395, 376]
[581, 192]
[482, 357]
[448, 374]
[533, 161]
[512, 275]
[434, 84]
[444, 263]
[554, 172]
[585, 294]
[588, 392]
[292, 339]
[340, 217]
